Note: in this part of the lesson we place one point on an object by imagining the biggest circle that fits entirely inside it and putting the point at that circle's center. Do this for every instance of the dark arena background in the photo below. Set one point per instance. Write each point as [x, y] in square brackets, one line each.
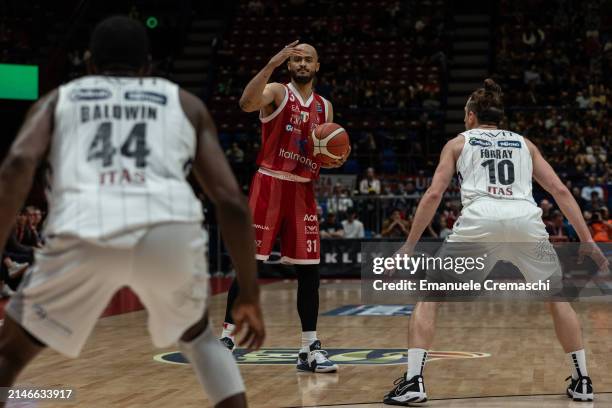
[399, 74]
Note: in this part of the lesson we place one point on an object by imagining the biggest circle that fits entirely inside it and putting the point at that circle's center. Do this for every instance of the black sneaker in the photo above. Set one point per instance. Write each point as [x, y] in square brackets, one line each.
[580, 389]
[228, 343]
[407, 391]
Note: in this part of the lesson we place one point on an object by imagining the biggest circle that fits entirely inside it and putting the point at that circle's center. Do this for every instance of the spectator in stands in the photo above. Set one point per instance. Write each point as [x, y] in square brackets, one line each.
[595, 203]
[403, 199]
[444, 230]
[319, 214]
[34, 223]
[557, 230]
[331, 228]
[21, 226]
[546, 207]
[452, 210]
[353, 228]
[340, 201]
[601, 230]
[235, 154]
[16, 256]
[395, 226]
[370, 184]
[587, 190]
[38, 217]
[27, 233]
[410, 190]
[581, 101]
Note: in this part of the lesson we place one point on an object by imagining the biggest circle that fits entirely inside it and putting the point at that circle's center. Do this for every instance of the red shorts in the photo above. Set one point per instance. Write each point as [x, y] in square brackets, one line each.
[287, 208]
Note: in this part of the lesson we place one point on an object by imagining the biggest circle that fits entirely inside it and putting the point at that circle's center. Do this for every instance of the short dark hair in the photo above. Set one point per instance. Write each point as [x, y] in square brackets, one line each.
[487, 103]
[119, 42]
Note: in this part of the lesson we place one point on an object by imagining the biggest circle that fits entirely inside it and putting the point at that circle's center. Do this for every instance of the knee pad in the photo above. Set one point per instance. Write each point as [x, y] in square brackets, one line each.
[214, 366]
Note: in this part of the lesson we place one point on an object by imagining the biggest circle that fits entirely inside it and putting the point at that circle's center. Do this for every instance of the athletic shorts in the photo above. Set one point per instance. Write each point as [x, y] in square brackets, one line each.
[505, 230]
[71, 282]
[286, 208]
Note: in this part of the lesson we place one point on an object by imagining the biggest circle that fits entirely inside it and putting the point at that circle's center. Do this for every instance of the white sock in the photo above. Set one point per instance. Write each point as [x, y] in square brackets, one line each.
[307, 339]
[228, 328]
[578, 363]
[416, 362]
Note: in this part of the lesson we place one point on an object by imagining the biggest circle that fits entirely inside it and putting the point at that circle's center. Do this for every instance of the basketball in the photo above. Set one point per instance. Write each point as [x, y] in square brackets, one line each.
[330, 142]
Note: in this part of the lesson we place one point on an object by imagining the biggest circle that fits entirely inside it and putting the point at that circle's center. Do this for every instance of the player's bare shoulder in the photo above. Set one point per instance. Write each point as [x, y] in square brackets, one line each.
[276, 88]
[455, 146]
[533, 149]
[329, 110]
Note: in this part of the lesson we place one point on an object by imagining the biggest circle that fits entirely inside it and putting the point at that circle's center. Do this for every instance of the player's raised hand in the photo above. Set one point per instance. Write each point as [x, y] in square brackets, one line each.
[247, 315]
[285, 53]
[591, 250]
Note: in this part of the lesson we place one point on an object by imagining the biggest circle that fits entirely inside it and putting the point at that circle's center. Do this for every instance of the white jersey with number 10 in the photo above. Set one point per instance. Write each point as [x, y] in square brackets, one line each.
[494, 163]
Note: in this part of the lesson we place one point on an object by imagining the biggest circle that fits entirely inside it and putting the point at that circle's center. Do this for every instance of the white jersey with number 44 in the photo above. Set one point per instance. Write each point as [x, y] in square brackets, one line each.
[121, 151]
[494, 163]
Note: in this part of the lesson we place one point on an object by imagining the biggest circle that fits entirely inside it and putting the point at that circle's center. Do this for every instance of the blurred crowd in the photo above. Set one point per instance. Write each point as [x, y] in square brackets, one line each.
[559, 59]
[382, 67]
[18, 253]
[378, 208]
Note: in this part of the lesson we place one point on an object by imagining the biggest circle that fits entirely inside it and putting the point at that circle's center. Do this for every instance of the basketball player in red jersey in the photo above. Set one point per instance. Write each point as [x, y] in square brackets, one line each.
[282, 198]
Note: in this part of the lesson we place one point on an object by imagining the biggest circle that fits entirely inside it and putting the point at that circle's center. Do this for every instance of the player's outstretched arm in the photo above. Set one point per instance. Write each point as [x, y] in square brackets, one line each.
[19, 166]
[431, 199]
[218, 182]
[545, 175]
[258, 93]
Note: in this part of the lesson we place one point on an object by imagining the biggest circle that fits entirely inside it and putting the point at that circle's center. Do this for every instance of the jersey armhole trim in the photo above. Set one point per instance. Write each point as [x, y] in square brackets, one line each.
[460, 154]
[183, 113]
[277, 111]
[326, 107]
[61, 90]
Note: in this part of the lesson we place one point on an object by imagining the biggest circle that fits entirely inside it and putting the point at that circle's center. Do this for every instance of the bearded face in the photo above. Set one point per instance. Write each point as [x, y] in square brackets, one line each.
[303, 69]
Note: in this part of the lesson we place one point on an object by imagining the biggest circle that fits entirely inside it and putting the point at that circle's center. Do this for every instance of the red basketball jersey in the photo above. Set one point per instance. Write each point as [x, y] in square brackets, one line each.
[285, 134]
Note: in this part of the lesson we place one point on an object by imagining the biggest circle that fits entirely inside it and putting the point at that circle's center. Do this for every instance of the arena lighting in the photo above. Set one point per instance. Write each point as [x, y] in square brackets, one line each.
[152, 22]
[18, 81]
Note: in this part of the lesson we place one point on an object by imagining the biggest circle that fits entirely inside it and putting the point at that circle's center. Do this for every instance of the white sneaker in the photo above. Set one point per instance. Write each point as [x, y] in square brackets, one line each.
[315, 360]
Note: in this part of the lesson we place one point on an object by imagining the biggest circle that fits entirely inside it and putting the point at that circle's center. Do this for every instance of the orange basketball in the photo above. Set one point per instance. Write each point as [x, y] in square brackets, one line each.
[330, 142]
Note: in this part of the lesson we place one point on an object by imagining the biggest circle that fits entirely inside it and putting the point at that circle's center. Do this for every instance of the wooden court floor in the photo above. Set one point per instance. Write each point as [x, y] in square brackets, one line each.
[526, 366]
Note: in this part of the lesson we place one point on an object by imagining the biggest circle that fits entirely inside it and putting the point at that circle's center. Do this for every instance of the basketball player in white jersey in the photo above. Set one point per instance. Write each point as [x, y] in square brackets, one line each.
[120, 145]
[495, 168]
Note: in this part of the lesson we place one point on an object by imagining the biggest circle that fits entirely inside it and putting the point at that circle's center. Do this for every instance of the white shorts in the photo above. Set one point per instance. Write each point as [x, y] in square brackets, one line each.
[511, 231]
[71, 282]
